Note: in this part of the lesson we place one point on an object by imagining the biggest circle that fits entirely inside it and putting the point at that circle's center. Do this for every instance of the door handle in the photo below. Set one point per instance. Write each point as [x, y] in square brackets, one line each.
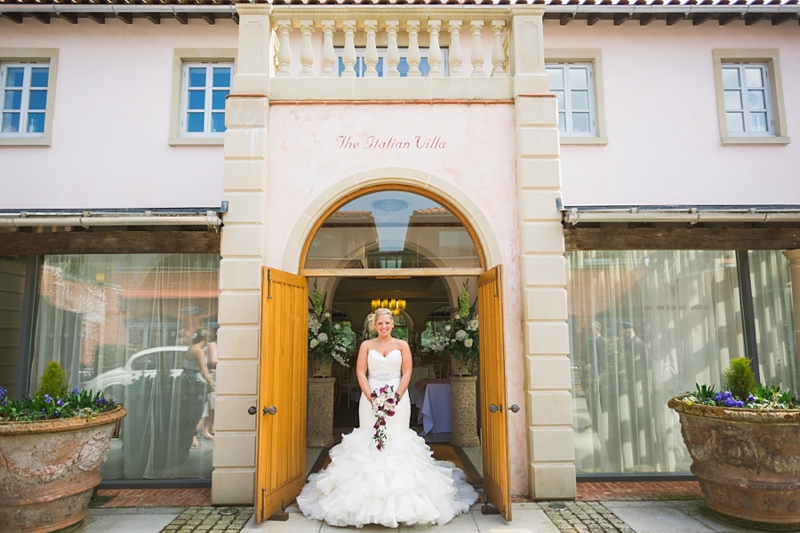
[494, 408]
[514, 408]
[270, 410]
[252, 410]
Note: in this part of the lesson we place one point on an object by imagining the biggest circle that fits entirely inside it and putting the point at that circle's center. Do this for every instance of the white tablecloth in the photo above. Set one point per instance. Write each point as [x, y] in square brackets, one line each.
[434, 408]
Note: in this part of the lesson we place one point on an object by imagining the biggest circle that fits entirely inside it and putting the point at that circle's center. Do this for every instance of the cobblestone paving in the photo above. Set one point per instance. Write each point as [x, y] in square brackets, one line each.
[583, 517]
[210, 520]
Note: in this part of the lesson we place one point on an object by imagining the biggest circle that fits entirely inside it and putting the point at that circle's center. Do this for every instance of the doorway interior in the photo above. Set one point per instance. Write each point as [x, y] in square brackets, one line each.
[422, 311]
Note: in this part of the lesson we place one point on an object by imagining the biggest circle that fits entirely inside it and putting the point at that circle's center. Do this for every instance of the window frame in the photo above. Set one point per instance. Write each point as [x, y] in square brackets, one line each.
[768, 59]
[593, 58]
[30, 57]
[182, 57]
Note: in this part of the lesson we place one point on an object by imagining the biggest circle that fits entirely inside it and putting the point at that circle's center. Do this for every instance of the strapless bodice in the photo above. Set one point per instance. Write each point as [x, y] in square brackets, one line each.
[384, 369]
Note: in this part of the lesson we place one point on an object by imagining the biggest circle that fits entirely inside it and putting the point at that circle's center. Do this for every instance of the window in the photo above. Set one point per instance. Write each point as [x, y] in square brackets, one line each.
[402, 66]
[749, 97]
[121, 323]
[205, 88]
[646, 325]
[576, 81]
[27, 83]
[202, 78]
[24, 99]
[747, 104]
[572, 85]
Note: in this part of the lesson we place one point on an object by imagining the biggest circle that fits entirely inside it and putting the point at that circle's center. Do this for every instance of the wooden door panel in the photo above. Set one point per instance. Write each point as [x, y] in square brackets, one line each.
[496, 463]
[281, 434]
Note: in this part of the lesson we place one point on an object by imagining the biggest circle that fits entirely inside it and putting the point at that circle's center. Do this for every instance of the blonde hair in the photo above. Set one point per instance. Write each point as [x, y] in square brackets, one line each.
[372, 319]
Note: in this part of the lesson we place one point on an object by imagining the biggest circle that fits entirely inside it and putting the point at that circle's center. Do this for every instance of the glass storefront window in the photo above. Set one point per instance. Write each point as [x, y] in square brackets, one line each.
[392, 229]
[645, 326]
[123, 324]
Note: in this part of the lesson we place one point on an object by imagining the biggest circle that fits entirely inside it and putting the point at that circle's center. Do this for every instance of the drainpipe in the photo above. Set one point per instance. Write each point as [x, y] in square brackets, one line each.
[210, 220]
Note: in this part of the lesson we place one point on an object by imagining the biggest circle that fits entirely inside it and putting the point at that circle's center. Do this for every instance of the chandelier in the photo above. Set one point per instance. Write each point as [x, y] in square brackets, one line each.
[395, 305]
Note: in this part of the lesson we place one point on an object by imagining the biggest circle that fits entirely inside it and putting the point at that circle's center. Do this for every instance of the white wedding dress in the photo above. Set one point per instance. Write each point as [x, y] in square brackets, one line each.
[401, 484]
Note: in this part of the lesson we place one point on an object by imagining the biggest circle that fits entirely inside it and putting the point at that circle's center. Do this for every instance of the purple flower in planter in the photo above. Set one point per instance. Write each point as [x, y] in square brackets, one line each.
[59, 402]
[48, 399]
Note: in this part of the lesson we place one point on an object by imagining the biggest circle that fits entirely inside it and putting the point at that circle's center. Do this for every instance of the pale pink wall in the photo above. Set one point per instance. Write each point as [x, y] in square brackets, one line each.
[477, 159]
[661, 111]
[112, 117]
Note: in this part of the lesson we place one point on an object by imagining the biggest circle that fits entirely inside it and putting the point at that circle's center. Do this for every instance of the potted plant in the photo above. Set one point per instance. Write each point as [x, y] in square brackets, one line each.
[51, 449]
[460, 341]
[324, 338]
[745, 447]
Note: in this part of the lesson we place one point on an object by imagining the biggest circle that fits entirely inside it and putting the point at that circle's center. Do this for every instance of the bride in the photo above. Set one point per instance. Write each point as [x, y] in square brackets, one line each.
[384, 474]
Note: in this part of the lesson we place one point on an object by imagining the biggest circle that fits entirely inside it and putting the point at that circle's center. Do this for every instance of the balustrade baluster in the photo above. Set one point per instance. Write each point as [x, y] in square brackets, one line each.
[328, 54]
[413, 58]
[455, 56]
[477, 57]
[498, 54]
[392, 54]
[371, 53]
[349, 55]
[284, 51]
[306, 52]
[434, 52]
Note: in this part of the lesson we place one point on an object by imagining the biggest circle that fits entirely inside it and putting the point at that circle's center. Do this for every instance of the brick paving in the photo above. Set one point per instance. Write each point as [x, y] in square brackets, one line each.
[210, 520]
[587, 492]
[639, 491]
[153, 498]
[583, 517]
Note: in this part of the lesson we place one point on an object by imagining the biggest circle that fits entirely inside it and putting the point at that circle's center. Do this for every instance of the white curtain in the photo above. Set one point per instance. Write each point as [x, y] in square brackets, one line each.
[666, 320]
[121, 323]
[774, 317]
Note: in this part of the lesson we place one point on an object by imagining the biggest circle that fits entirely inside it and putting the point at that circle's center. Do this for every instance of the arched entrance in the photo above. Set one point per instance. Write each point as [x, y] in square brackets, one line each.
[385, 240]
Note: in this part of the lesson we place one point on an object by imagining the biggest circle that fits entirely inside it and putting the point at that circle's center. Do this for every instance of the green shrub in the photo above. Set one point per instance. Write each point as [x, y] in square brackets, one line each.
[739, 378]
[53, 382]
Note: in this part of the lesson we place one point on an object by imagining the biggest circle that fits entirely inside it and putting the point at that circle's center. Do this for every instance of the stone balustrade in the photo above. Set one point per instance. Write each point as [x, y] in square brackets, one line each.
[378, 42]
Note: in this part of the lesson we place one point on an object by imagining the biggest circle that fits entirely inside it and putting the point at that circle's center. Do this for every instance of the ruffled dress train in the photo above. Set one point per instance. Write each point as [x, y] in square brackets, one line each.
[401, 484]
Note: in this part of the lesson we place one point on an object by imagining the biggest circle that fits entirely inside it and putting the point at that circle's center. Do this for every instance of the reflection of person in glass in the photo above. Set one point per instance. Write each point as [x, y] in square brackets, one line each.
[194, 363]
[636, 421]
[595, 374]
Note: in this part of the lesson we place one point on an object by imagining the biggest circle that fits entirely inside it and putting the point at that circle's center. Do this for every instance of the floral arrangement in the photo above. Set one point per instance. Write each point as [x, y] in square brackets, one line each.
[384, 400]
[460, 339]
[53, 401]
[741, 391]
[326, 340]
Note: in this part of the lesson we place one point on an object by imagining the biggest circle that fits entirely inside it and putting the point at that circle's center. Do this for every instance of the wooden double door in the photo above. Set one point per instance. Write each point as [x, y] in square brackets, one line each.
[282, 392]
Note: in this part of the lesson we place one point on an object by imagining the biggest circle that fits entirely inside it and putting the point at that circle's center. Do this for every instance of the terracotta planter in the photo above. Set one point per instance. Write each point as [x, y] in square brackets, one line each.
[49, 468]
[320, 369]
[747, 462]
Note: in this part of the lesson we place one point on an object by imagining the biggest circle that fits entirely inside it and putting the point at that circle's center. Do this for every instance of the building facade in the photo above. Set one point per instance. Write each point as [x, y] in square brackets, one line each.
[621, 173]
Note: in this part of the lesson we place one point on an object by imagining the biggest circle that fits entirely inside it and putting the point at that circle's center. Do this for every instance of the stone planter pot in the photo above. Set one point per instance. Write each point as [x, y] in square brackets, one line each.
[320, 369]
[747, 462]
[460, 367]
[49, 468]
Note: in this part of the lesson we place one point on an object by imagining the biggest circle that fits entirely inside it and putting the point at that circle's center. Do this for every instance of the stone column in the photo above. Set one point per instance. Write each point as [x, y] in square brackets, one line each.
[464, 415]
[548, 405]
[244, 182]
[320, 412]
[794, 268]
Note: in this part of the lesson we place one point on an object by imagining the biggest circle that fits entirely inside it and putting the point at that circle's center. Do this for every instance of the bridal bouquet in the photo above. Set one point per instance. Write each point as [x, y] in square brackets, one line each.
[384, 400]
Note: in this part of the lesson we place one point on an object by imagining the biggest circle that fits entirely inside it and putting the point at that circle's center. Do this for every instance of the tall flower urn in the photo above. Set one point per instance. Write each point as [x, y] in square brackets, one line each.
[49, 469]
[747, 462]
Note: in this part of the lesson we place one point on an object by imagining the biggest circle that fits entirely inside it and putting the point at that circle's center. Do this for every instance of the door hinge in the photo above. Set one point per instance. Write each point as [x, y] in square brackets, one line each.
[269, 284]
